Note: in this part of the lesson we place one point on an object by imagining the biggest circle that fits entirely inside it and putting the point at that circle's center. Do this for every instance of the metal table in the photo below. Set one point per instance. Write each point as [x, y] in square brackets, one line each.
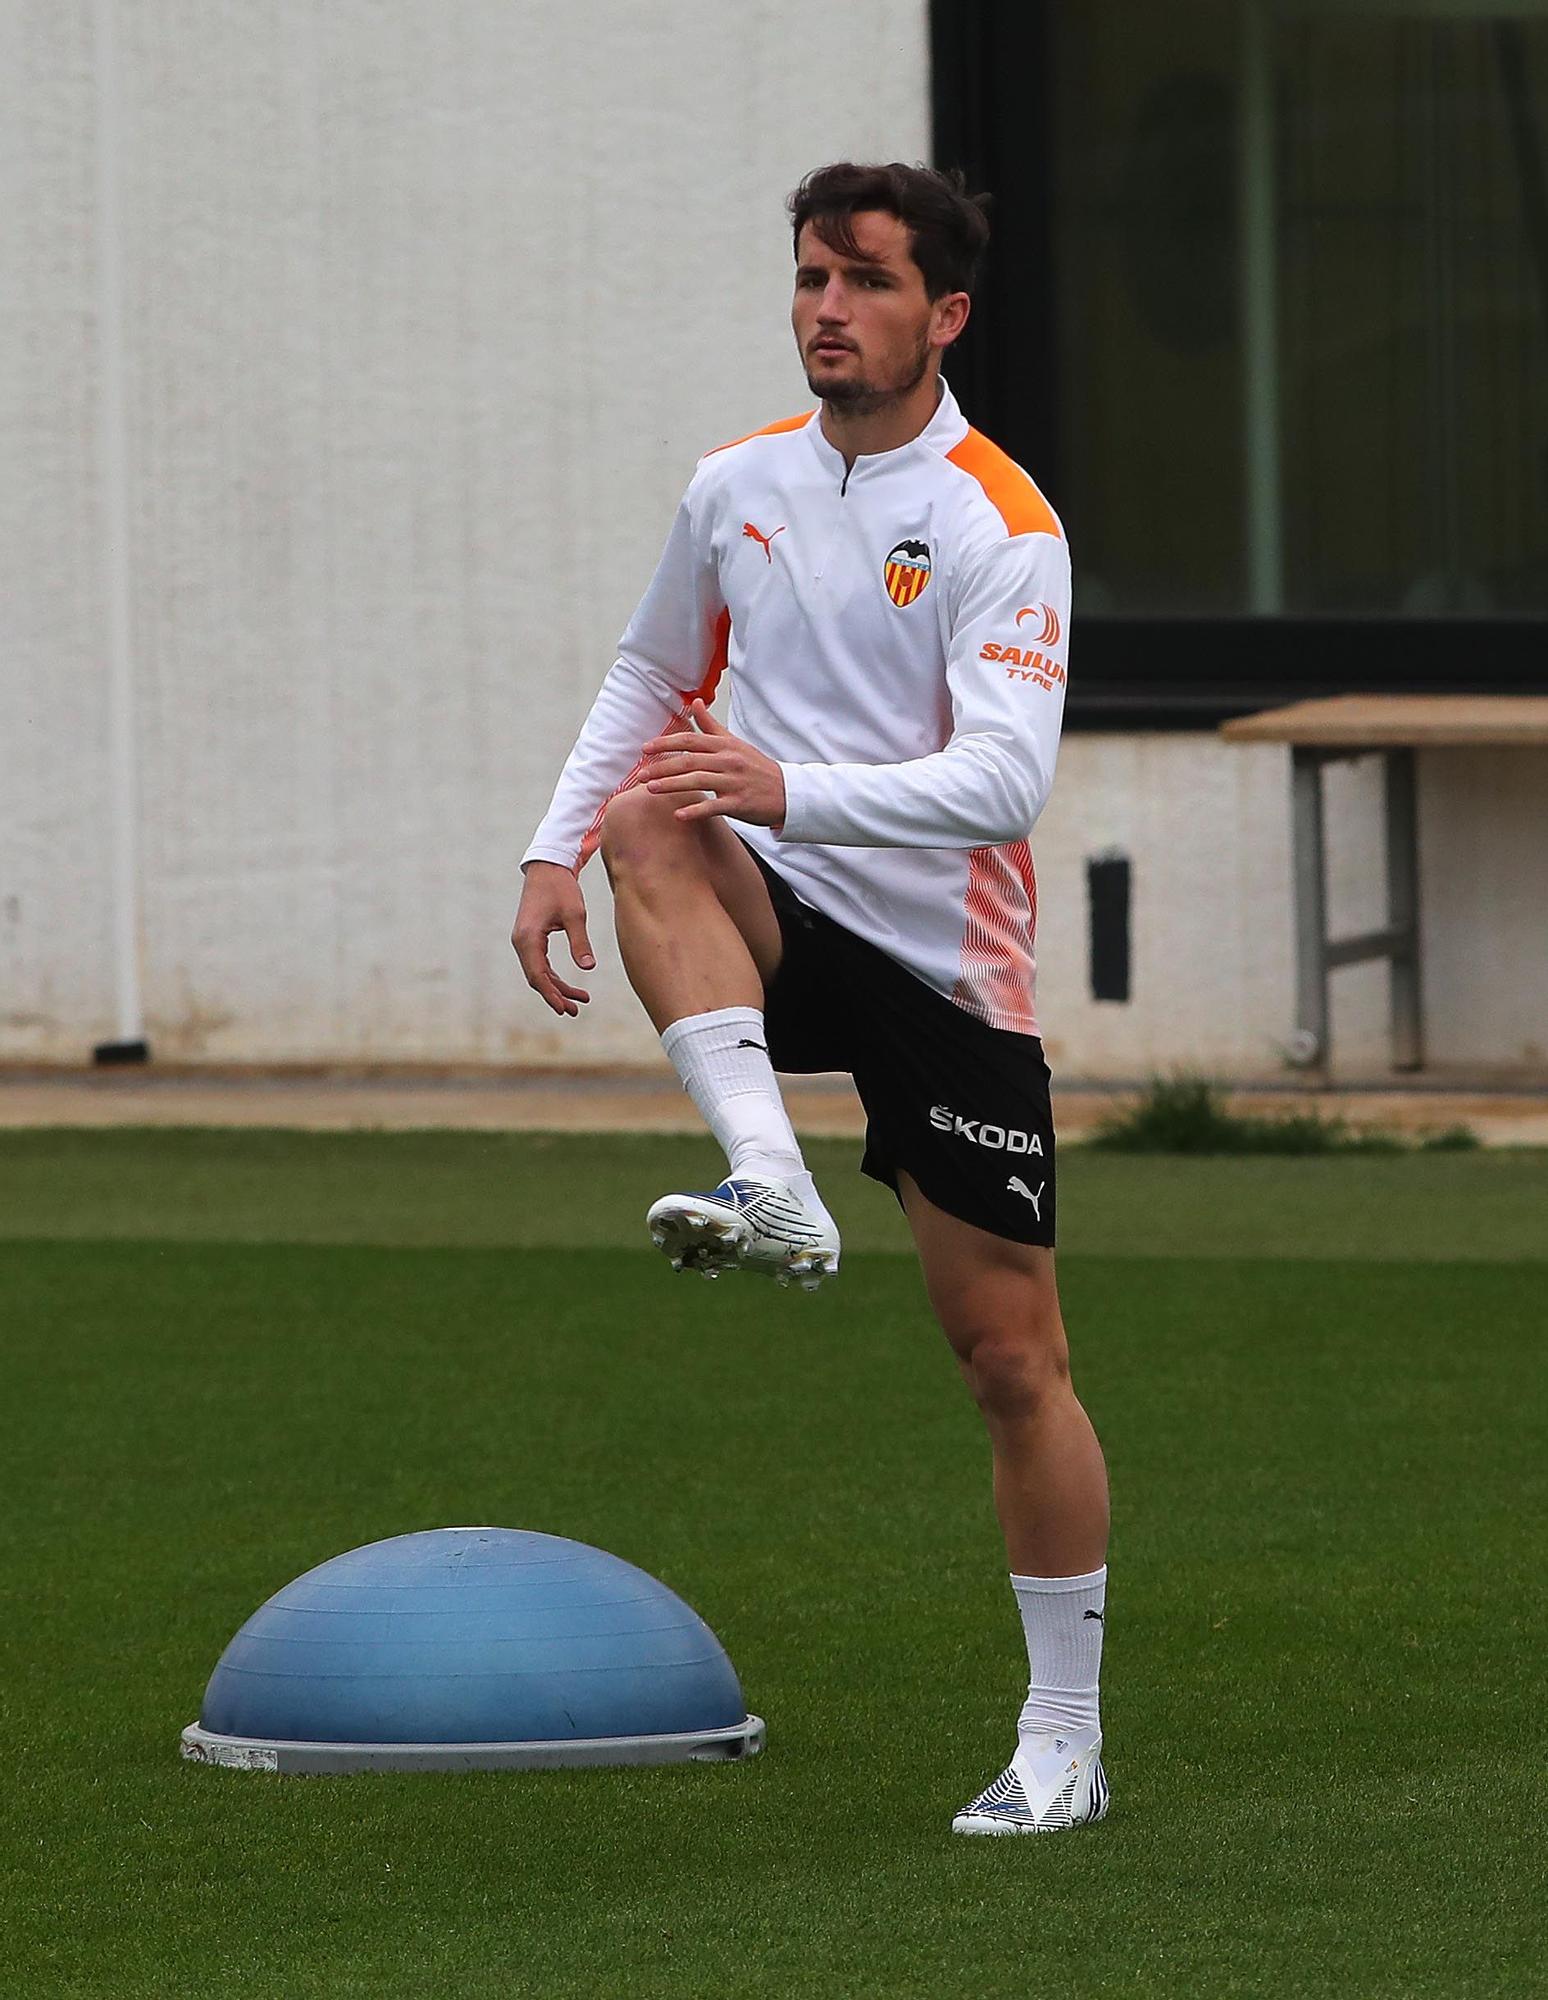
[1395, 726]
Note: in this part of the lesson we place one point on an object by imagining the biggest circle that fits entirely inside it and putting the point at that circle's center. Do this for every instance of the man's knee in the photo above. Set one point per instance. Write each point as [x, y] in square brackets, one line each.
[1012, 1352]
[640, 830]
[1014, 1378]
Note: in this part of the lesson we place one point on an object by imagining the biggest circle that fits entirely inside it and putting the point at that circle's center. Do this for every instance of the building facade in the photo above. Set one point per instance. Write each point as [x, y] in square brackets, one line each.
[355, 357]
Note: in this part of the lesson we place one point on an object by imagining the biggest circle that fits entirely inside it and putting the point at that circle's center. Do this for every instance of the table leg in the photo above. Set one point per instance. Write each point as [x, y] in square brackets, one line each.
[1403, 909]
[1310, 1044]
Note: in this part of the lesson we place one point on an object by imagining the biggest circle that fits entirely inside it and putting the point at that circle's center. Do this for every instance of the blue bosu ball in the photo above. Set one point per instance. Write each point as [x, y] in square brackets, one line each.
[471, 1648]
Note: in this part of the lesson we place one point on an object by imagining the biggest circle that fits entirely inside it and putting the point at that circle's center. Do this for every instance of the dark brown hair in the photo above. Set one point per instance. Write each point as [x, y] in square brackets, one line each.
[947, 226]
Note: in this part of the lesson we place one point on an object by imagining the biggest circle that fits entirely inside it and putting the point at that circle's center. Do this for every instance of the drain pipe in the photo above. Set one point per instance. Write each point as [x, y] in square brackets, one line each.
[129, 1044]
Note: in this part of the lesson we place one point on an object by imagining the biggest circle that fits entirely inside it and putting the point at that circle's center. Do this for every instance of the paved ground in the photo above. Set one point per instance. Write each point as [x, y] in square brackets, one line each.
[490, 1101]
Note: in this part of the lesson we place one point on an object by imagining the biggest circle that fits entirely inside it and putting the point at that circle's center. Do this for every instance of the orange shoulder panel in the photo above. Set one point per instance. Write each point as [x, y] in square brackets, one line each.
[1018, 502]
[785, 424]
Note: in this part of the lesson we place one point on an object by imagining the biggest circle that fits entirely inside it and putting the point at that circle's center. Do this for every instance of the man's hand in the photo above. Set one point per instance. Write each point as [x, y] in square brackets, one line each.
[743, 783]
[551, 900]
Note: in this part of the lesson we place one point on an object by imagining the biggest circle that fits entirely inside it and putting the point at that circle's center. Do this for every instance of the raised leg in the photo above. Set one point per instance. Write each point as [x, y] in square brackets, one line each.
[700, 940]
[695, 925]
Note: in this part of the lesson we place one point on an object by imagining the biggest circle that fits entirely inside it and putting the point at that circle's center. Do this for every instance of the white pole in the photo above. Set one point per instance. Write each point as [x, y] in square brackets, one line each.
[1258, 254]
[113, 492]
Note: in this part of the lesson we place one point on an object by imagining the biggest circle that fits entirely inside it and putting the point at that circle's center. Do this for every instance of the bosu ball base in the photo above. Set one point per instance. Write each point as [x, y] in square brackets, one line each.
[251, 1753]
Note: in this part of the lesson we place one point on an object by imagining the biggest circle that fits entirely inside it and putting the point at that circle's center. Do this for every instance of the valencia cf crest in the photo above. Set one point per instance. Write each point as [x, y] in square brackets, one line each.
[907, 571]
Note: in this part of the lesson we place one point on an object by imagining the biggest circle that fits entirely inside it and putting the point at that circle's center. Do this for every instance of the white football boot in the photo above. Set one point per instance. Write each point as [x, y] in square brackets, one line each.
[1052, 1783]
[746, 1225]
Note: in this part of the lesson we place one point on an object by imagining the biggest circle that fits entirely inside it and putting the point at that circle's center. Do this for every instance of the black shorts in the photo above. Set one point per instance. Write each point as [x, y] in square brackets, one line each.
[960, 1106]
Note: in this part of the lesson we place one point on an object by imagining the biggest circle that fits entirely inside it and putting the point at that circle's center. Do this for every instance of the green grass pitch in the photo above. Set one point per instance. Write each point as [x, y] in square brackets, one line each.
[225, 1357]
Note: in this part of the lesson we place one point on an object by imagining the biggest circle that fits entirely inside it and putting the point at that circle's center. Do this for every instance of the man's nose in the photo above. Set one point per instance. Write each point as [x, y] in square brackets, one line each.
[833, 306]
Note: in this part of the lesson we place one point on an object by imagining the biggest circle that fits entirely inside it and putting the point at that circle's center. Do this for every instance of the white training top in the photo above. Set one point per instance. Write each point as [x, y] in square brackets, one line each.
[897, 643]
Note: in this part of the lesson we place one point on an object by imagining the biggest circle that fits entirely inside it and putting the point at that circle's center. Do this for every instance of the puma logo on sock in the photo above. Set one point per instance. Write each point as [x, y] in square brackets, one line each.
[1097, 1616]
[752, 1045]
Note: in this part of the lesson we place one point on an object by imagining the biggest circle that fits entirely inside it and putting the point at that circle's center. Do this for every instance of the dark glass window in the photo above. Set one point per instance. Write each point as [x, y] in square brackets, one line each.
[1298, 279]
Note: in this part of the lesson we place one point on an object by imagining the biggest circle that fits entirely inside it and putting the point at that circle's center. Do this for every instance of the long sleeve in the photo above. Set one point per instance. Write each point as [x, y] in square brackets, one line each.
[1006, 676]
[670, 652]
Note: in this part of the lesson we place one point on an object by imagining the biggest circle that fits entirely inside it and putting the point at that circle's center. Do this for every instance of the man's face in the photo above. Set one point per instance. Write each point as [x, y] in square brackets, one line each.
[865, 327]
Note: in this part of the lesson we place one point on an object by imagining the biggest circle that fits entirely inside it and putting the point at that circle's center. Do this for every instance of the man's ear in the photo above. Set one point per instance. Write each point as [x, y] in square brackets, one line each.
[951, 316]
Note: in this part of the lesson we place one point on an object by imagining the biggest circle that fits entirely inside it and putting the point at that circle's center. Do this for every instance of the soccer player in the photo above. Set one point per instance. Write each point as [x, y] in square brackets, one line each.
[840, 879]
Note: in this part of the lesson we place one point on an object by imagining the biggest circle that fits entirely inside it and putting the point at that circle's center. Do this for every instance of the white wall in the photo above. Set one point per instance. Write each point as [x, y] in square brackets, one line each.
[1207, 828]
[428, 309]
[55, 916]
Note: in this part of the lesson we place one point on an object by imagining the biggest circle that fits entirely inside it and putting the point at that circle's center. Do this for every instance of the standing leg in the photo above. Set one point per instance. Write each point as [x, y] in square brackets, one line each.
[998, 1304]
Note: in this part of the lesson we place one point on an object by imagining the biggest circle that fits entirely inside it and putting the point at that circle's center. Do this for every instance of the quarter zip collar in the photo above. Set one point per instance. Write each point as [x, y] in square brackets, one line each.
[945, 430]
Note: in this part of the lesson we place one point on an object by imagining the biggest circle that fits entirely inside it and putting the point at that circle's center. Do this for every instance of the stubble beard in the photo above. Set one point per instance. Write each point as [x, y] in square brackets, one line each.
[859, 399]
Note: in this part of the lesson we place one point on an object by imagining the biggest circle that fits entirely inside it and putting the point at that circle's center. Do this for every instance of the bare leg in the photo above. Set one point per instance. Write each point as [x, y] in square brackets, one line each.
[999, 1306]
[695, 925]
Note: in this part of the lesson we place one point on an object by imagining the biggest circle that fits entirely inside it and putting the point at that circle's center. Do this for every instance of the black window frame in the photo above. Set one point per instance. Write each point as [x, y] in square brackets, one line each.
[992, 86]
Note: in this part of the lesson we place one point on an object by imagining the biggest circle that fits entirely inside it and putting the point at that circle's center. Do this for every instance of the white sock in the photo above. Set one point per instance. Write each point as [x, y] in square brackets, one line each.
[723, 1060]
[1063, 1619]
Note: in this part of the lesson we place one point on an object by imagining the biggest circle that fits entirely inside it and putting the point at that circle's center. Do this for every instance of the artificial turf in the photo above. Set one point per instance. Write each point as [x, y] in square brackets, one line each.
[1323, 1686]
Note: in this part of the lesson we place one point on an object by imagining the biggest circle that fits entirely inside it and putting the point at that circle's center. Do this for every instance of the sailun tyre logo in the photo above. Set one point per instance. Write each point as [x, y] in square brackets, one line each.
[907, 572]
[1047, 633]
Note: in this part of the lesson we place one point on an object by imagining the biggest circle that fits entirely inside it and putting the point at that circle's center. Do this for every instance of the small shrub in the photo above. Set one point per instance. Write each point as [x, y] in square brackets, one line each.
[1176, 1115]
[1453, 1139]
[1185, 1114]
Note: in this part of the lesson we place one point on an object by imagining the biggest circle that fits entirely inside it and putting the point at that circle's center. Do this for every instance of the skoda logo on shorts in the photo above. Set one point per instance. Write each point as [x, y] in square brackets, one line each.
[980, 1132]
